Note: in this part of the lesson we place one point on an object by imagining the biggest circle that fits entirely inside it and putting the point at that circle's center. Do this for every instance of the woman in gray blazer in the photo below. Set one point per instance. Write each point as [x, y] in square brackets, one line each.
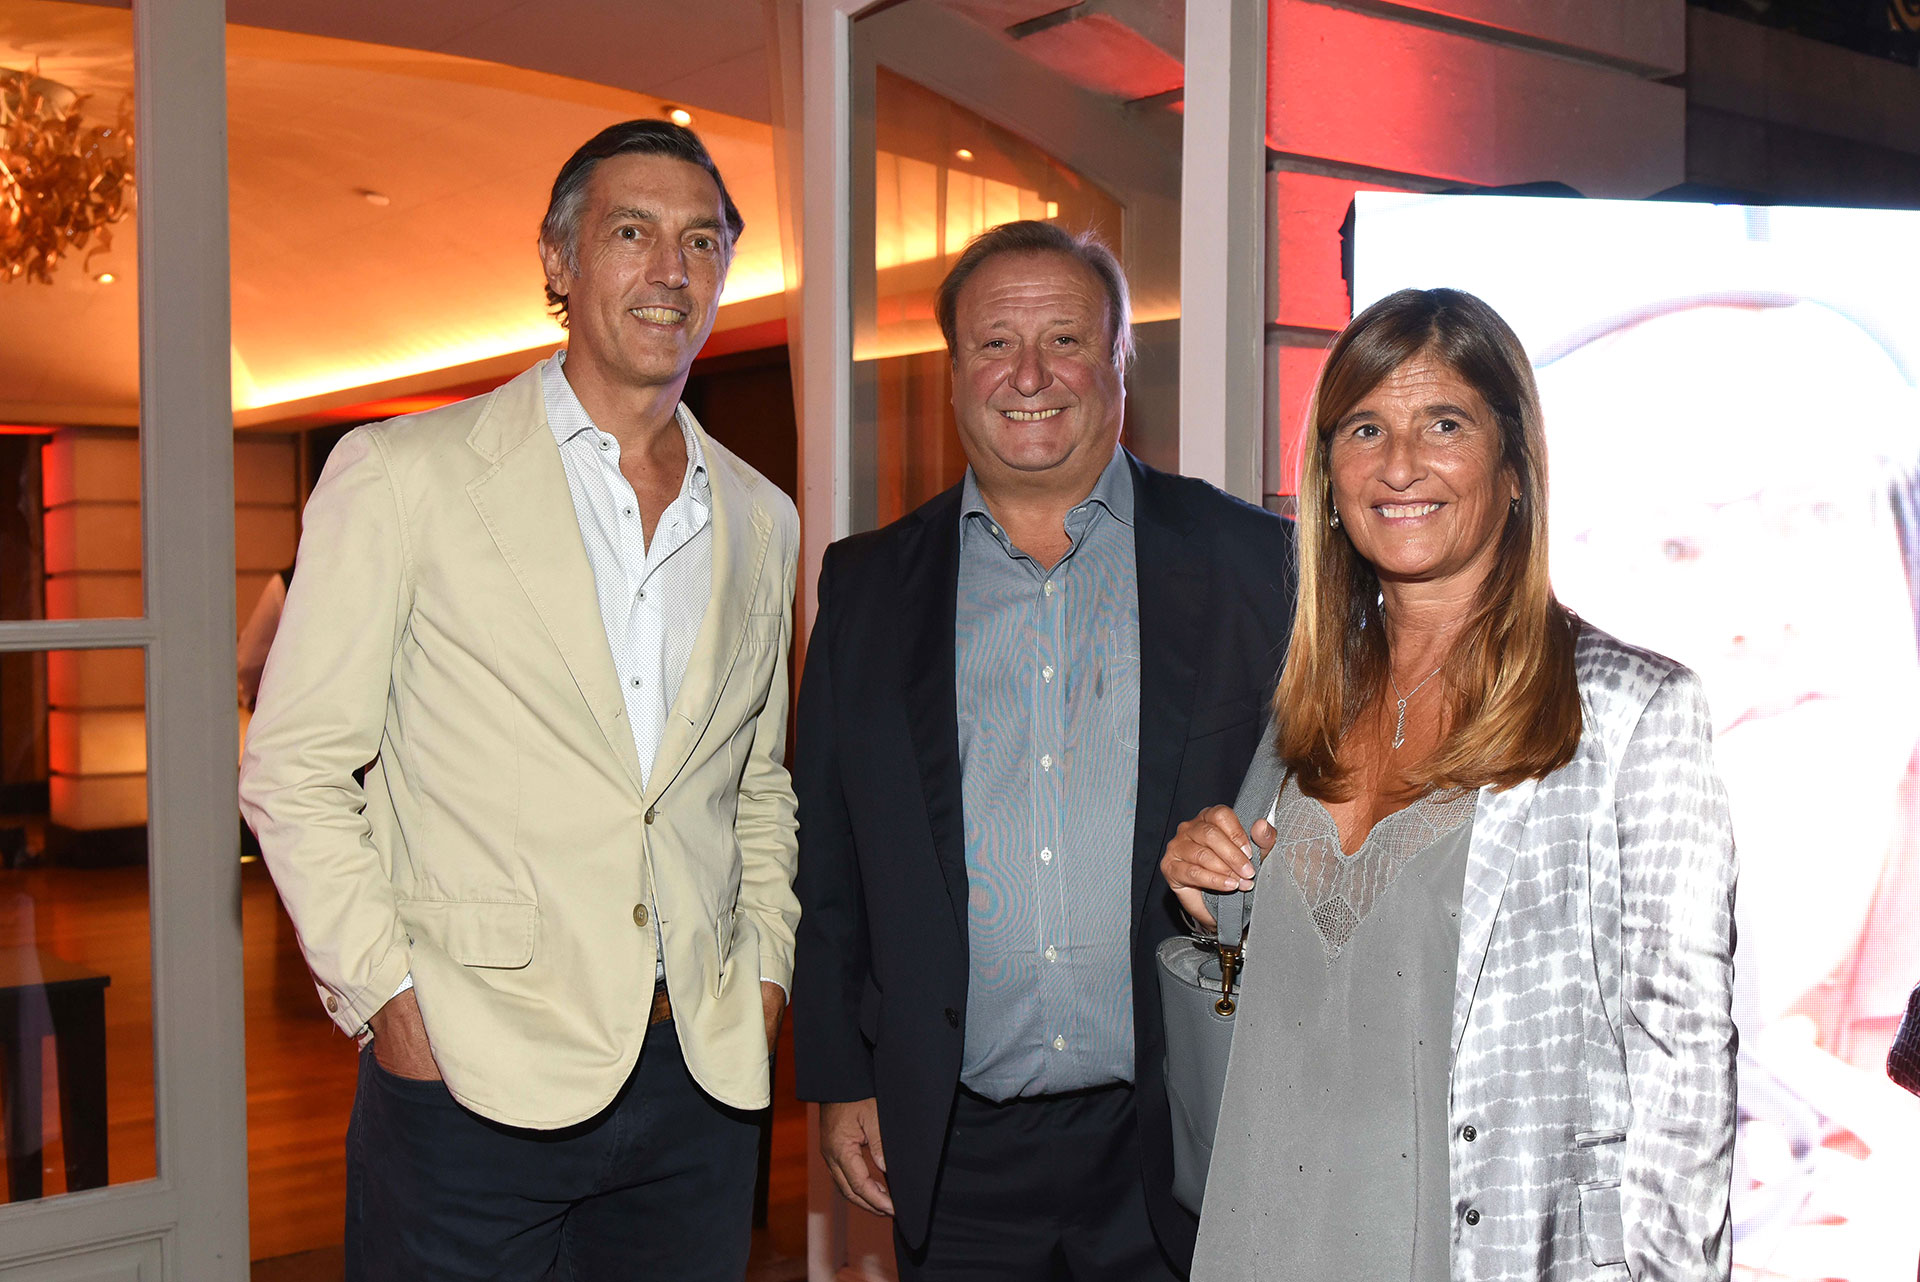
[1486, 1028]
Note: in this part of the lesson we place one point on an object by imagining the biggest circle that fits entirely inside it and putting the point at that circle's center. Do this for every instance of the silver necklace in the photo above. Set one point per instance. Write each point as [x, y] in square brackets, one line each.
[1400, 720]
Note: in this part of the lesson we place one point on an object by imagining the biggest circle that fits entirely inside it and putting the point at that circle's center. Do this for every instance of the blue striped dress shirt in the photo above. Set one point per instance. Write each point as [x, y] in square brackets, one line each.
[1047, 671]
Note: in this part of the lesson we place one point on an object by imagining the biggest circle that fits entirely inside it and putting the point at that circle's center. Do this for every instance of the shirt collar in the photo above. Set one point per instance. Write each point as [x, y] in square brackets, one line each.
[568, 419]
[1113, 491]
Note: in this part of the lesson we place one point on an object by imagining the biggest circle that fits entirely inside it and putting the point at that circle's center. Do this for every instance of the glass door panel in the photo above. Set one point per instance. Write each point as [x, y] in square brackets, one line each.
[76, 990]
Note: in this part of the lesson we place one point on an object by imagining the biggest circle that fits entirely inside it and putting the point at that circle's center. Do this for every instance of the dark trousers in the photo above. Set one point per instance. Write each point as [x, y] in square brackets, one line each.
[660, 1185]
[1040, 1190]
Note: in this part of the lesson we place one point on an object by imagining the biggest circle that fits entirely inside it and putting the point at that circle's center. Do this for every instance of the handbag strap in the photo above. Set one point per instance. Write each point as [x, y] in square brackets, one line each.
[1233, 911]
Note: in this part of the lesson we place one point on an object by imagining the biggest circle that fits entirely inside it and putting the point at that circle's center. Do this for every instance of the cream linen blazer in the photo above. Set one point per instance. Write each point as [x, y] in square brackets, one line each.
[444, 782]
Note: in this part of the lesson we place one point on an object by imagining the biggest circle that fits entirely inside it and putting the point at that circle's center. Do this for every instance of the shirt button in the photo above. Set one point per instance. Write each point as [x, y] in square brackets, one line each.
[1046, 762]
[953, 1018]
[1049, 587]
[1472, 1216]
[627, 511]
[1046, 855]
[1468, 1134]
[606, 444]
[643, 594]
[1046, 674]
[639, 914]
[1051, 954]
[636, 683]
[1060, 1044]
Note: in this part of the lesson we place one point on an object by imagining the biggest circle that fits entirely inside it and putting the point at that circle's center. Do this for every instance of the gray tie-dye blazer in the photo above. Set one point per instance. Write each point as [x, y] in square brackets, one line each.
[1592, 1109]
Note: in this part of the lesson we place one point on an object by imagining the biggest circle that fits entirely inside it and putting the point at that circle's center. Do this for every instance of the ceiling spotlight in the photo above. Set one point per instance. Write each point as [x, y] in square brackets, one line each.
[964, 154]
[680, 116]
[1053, 209]
[379, 198]
[105, 278]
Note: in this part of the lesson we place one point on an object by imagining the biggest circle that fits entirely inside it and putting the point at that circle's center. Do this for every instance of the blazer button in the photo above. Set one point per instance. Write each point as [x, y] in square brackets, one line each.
[953, 1018]
[649, 814]
[1468, 1134]
[333, 1005]
[1472, 1216]
[639, 914]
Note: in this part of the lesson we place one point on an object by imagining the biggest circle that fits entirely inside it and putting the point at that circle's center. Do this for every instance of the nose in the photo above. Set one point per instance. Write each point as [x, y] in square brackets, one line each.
[1030, 374]
[667, 266]
[1401, 465]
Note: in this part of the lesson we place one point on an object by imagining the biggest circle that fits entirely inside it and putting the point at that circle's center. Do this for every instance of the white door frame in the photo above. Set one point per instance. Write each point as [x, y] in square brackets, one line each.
[189, 1223]
[1223, 242]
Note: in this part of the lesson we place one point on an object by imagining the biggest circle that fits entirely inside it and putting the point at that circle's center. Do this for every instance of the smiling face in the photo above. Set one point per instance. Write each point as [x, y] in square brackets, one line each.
[643, 279]
[1418, 479]
[1036, 395]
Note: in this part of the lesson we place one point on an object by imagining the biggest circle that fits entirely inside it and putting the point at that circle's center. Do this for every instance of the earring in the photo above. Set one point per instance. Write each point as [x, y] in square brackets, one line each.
[1333, 522]
[1513, 505]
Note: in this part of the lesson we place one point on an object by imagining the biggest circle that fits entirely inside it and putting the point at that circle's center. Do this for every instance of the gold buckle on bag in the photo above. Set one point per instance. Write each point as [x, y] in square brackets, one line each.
[1229, 967]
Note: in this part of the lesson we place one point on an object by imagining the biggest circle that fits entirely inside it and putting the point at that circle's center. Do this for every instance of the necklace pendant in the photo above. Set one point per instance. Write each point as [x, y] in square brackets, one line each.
[1400, 725]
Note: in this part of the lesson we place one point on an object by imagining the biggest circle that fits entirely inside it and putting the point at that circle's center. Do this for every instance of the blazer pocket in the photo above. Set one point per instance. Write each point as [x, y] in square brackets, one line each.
[1227, 714]
[1600, 1221]
[476, 932]
[764, 629]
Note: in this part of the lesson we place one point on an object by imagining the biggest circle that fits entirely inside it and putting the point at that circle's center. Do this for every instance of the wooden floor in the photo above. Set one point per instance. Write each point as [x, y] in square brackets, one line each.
[300, 1070]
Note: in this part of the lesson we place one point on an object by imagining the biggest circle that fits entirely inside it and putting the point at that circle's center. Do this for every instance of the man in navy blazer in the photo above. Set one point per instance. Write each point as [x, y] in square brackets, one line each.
[1011, 698]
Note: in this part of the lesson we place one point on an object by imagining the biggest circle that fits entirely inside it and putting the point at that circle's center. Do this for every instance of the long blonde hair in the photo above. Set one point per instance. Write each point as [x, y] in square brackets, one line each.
[1514, 710]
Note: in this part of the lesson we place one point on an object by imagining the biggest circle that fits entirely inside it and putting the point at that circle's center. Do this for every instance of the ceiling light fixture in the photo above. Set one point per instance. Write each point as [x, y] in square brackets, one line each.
[372, 197]
[63, 182]
[964, 154]
[105, 278]
[680, 116]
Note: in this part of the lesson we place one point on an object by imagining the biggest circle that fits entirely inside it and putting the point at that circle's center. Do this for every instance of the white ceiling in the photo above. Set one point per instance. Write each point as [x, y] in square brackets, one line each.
[459, 112]
[330, 292]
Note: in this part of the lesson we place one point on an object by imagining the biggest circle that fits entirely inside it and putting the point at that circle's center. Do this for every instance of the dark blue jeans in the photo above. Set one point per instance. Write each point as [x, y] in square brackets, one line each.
[660, 1185]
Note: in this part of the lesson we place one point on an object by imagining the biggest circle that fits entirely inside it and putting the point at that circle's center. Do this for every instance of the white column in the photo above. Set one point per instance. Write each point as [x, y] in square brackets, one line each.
[1223, 245]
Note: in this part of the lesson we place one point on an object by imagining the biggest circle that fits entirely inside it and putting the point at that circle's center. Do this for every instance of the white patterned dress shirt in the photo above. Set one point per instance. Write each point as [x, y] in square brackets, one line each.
[652, 595]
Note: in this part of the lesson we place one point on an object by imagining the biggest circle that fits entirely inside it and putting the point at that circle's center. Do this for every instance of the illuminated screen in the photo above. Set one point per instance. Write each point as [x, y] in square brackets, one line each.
[1734, 447]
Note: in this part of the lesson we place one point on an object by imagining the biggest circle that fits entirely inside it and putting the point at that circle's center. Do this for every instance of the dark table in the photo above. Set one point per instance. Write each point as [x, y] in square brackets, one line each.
[42, 995]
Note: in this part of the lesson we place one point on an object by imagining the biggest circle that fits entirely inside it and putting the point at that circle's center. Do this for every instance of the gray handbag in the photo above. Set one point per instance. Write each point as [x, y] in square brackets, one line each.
[1199, 994]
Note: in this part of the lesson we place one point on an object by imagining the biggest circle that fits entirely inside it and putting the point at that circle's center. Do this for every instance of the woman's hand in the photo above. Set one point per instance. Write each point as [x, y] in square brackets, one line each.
[1211, 851]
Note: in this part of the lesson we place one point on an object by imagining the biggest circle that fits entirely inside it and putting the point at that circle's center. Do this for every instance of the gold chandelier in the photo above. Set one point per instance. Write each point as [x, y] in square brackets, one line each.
[63, 182]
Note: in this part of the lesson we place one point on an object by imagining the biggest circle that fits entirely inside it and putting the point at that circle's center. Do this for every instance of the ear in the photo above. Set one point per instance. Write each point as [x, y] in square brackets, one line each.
[553, 260]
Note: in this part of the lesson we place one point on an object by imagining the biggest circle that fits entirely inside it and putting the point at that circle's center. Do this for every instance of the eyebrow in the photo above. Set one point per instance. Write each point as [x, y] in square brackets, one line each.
[1441, 409]
[629, 213]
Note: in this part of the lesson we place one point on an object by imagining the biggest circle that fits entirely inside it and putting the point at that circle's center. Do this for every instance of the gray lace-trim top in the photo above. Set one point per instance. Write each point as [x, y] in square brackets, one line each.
[1331, 1158]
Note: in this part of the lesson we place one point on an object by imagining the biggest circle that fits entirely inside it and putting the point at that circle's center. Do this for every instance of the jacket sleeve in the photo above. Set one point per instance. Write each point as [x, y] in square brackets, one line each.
[764, 821]
[320, 720]
[1677, 872]
[832, 1062]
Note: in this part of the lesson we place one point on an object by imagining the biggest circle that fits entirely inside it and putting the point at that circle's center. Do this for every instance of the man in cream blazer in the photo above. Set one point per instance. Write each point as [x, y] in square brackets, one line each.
[517, 769]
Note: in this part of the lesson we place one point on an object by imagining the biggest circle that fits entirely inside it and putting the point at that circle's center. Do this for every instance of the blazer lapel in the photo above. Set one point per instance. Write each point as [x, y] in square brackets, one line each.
[742, 533]
[1499, 826]
[926, 616]
[524, 502]
[1172, 593]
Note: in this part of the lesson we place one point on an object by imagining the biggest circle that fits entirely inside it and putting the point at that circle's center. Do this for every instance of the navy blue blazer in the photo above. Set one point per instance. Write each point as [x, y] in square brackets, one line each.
[881, 966]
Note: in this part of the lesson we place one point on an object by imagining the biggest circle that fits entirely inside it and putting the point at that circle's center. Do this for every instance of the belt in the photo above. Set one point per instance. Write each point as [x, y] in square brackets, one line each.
[662, 1008]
